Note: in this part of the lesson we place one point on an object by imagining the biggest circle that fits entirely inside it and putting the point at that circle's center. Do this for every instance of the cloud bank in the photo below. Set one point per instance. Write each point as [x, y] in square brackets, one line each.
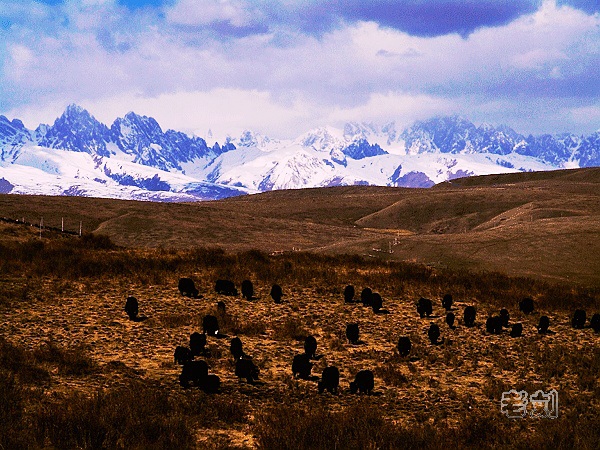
[283, 67]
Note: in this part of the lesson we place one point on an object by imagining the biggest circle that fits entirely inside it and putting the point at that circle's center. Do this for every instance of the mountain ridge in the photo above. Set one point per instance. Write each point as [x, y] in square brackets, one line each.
[171, 165]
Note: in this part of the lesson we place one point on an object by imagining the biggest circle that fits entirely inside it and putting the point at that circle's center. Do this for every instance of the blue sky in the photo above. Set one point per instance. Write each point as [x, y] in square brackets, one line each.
[283, 67]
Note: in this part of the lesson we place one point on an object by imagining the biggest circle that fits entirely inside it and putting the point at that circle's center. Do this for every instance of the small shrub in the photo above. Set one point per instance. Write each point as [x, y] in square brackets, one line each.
[133, 417]
[70, 361]
[290, 329]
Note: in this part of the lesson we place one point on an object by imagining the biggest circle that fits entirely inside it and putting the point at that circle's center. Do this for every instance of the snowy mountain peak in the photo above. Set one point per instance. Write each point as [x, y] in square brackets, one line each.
[135, 158]
[76, 130]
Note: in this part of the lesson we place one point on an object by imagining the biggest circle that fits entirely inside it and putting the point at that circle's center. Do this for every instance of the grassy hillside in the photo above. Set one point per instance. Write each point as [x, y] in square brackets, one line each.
[535, 224]
[76, 372]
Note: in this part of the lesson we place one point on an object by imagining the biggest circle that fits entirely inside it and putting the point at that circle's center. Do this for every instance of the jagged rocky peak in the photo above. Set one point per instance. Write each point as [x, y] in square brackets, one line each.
[354, 131]
[10, 127]
[76, 130]
[134, 124]
[322, 139]
[252, 139]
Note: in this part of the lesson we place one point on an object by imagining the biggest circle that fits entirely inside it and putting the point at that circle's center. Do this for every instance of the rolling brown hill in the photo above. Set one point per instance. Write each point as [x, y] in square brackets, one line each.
[534, 224]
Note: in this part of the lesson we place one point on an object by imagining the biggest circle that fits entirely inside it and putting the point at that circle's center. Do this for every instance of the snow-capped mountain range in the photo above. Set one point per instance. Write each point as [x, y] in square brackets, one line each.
[135, 159]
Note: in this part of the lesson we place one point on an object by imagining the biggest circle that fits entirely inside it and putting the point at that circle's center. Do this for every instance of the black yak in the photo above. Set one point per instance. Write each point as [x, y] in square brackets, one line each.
[210, 325]
[404, 346]
[578, 319]
[366, 296]
[469, 316]
[245, 368]
[301, 366]
[447, 302]
[424, 307]
[211, 384]
[544, 325]
[517, 330]
[221, 308]
[526, 305]
[364, 382]
[236, 349]
[595, 323]
[352, 333]
[247, 290]
[310, 347]
[225, 287]
[182, 355]
[187, 287]
[450, 318]
[434, 334]
[131, 308]
[349, 294]
[276, 293]
[193, 372]
[505, 317]
[493, 325]
[377, 303]
[330, 380]
[197, 343]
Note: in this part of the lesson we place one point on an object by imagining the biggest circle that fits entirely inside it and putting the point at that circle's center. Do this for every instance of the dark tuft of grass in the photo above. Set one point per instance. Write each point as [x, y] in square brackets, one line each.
[290, 328]
[70, 361]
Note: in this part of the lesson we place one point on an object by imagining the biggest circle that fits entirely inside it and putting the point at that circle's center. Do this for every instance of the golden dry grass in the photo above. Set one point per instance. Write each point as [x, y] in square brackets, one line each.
[532, 224]
[76, 372]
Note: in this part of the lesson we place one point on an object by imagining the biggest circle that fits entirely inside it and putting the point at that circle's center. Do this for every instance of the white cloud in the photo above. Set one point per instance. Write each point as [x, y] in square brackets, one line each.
[283, 83]
[203, 12]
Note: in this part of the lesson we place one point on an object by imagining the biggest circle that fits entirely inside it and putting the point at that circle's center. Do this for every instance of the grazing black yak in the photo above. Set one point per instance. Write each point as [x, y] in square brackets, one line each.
[526, 305]
[225, 287]
[245, 368]
[187, 287]
[517, 330]
[493, 325]
[236, 349]
[450, 318]
[469, 316]
[349, 294]
[197, 343]
[276, 293]
[182, 355]
[505, 317]
[221, 308]
[447, 302]
[212, 384]
[544, 325]
[434, 334]
[404, 345]
[310, 347]
[364, 382]
[210, 325]
[301, 366]
[366, 296]
[376, 302]
[247, 290]
[595, 323]
[193, 372]
[330, 380]
[424, 307]
[352, 333]
[131, 307]
[578, 319]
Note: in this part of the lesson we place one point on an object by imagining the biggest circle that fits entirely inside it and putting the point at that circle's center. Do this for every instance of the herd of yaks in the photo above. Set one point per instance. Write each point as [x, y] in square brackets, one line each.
[195, 371]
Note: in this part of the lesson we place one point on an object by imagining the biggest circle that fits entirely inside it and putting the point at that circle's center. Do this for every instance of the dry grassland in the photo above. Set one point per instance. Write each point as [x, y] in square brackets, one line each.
[75, 372]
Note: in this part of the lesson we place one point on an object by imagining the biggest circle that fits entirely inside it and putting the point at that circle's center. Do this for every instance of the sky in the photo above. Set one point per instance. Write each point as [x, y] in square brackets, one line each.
[284, 67]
